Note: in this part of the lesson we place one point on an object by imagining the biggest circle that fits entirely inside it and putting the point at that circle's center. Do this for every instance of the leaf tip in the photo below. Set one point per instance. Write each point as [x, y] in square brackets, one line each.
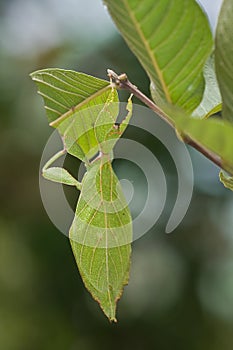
[113, 320]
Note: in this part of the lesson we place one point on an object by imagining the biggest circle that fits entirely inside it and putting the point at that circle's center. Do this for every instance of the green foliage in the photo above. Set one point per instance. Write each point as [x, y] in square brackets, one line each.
[172, 41]
[101, 231]
[224, 57]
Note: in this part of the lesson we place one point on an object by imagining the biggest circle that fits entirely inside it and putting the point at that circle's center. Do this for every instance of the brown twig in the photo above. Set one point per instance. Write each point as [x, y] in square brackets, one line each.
[122, 82]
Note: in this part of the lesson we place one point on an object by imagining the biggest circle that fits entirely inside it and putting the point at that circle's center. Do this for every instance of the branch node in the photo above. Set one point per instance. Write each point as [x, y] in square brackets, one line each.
[115, 79]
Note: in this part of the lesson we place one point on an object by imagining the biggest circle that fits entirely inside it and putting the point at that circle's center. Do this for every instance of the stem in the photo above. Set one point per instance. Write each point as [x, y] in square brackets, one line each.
[122, 82]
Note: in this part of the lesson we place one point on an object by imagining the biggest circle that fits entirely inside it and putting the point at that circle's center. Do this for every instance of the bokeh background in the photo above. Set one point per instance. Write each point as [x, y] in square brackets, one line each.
[180, 294]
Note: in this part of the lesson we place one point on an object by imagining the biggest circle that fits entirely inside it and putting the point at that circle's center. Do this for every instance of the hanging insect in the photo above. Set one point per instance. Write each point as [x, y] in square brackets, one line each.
[84, 110]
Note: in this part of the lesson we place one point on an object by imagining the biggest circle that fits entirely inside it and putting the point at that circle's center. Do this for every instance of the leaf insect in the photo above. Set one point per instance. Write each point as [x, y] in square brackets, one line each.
[101, 231]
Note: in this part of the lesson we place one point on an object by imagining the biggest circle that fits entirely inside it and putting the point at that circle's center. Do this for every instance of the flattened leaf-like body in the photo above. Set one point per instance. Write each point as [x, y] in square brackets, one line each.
[65, 89]
[84, 110]
[100, 236]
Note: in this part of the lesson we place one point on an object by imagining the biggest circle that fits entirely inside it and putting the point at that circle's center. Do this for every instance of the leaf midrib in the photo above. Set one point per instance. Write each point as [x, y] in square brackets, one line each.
[148, 49]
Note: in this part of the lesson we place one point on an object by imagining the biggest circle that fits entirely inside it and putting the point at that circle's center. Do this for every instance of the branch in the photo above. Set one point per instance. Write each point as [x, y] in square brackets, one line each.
[122, 82]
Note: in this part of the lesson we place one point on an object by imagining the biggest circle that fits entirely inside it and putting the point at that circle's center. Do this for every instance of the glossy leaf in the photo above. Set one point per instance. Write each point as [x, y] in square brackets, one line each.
[172, 40]
[211, 102]
[224, 57]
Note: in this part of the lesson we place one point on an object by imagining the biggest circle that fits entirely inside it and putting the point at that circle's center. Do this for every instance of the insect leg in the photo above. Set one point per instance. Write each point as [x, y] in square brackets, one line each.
[58, 174]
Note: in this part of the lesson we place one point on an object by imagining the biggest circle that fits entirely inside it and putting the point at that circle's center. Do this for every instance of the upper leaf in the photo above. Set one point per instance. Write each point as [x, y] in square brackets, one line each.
[224, 57]
[172, 40]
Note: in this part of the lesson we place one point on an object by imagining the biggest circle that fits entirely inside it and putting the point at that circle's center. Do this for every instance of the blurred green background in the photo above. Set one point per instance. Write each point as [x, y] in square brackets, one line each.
[180, 294]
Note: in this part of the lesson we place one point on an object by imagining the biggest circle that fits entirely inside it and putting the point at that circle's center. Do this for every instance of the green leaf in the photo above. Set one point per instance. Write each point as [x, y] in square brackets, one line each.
[172, 40]
[224, 57]
[226, 179]
[215, 135]
[211, 102]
